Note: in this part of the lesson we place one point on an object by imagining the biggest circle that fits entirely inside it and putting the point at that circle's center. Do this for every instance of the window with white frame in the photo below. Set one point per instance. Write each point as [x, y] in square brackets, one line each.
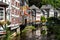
[1, 14]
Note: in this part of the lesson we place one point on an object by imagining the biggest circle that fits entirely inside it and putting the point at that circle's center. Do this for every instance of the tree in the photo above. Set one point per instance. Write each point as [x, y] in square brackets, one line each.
[35, 2]
[54, 3]
[54, 27]
[43, 19]
[39, 3]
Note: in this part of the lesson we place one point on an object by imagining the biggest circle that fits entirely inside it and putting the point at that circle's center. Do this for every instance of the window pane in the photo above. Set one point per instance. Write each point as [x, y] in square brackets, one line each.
[1, 13]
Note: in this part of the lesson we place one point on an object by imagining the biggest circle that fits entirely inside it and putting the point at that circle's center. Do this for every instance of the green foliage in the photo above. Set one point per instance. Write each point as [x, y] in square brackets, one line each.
[43, 19]
[28, 28]
[8, 33]
[8, 22]
[35, 2]
[43, 32]
[39, 3]
[53, 19]
[54, 28]
[58, 37]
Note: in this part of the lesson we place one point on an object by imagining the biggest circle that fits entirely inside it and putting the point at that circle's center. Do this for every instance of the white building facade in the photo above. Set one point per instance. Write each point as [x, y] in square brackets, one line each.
[13, 13]
[49, 11]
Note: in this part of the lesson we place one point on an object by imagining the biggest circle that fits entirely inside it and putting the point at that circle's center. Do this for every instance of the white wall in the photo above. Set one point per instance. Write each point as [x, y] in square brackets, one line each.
[8, 9]
[58, 14]
[38, 16]
[51, 13]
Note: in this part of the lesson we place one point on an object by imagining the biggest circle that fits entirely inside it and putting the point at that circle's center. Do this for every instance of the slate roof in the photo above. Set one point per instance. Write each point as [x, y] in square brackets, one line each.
[33, 7]
[46, 7]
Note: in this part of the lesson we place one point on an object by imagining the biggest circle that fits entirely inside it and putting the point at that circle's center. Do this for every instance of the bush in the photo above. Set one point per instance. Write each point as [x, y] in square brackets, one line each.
[53, 19]
[43, 32]
[8, 22]
[8, 34]
[54, 27]
[28, 28]
[43, 19]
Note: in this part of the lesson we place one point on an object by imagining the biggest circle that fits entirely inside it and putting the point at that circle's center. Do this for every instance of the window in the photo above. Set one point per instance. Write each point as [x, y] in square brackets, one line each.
[1, 14]
[12, 2]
